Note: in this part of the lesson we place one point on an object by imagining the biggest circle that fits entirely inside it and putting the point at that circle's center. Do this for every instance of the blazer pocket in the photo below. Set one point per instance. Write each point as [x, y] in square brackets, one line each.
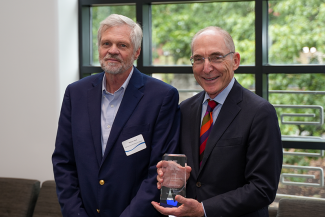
[135, 130]
[229, 142]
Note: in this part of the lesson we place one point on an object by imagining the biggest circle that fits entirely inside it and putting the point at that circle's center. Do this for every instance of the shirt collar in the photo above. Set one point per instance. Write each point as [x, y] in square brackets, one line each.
[221, 97]
[124, 85]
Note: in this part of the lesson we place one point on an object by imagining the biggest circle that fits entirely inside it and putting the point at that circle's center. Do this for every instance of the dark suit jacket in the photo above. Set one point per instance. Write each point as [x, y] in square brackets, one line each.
[149, 107]
[243, 157]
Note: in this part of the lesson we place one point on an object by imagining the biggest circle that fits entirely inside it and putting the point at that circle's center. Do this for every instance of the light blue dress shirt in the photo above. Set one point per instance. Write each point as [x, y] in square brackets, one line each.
[220, 99]
[110, 105]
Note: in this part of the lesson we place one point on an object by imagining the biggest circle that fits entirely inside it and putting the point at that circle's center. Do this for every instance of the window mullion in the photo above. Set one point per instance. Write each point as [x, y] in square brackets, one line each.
[143, 14]
[261, 27]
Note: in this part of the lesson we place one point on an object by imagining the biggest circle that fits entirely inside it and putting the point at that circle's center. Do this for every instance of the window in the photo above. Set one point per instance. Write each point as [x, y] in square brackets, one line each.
[296, 32]
[282, 45]
[173, 26]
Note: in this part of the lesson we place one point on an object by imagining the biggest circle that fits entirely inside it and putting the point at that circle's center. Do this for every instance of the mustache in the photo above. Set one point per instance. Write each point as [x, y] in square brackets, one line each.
[109, 56]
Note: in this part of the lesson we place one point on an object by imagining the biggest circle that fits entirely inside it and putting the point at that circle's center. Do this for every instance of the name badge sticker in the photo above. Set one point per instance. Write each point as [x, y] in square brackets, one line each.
[134, 144]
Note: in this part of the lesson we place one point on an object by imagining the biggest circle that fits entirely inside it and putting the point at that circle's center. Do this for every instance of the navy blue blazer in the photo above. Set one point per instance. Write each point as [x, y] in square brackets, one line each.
[149, 107]
[242, 162]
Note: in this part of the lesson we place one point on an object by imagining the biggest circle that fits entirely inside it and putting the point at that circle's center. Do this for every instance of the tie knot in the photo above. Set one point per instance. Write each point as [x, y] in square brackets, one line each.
[211, 105]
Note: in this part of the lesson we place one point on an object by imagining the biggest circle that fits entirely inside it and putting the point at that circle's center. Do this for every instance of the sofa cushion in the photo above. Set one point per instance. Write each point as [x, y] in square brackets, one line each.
[273, 211]
[47, 204]
[18, 197]
[291, 207]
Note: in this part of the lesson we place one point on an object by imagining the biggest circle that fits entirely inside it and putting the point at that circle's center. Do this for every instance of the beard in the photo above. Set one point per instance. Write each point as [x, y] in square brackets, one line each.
[116, 67]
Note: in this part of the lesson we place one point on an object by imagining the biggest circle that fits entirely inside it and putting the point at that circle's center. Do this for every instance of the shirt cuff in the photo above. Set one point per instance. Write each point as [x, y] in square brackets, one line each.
[204, 210]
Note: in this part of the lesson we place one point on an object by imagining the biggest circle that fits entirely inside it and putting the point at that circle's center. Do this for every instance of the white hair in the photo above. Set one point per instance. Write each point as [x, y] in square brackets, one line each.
[120, 20]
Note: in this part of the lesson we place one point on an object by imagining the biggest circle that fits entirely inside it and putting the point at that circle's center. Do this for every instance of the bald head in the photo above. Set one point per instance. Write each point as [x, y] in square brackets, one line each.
[214, 31]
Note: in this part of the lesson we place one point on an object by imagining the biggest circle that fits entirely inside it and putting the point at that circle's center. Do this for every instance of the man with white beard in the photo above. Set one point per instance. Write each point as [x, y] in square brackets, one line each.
[113, 129]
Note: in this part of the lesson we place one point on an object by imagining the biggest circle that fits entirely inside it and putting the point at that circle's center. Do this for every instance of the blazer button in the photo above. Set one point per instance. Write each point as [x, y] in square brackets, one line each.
[101, 182]
[198, 184]
[98, 210]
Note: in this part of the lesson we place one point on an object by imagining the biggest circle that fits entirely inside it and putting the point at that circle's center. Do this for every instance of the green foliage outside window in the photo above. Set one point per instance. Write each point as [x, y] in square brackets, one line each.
[174, 25]
[294, 25]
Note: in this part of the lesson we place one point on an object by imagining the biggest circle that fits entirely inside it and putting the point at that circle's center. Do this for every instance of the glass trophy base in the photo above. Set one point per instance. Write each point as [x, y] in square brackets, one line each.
[169, 203]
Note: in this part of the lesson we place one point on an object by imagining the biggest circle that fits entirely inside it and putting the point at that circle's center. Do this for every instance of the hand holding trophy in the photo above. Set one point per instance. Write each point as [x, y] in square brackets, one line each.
[173, 179]
[173, 173]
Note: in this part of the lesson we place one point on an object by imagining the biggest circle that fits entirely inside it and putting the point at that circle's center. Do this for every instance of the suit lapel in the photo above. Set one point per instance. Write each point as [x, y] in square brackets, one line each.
[195, 115]
[131, 98]
[94, 97]
[228, 112]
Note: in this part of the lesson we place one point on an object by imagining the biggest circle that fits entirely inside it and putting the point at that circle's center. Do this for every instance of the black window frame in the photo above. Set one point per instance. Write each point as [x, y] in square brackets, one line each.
[261, 69]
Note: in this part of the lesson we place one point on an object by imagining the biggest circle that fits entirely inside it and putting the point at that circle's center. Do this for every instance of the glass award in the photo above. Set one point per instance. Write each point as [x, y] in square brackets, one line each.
[174, 179]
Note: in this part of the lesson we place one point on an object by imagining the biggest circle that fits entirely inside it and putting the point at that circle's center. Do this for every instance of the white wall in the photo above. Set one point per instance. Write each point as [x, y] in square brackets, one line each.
[38, 58]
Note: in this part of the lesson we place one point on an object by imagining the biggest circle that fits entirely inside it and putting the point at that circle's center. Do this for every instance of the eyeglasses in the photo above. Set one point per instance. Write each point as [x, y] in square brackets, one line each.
[214, 58]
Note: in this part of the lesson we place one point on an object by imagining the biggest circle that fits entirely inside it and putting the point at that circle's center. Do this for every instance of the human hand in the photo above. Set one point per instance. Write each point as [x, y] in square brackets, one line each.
[189, 207]
[170, 174]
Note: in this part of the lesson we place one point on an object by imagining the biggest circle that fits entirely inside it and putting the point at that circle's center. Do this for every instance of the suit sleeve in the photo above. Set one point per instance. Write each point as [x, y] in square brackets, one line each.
[262, 169]
[165, 140]
[64, 165]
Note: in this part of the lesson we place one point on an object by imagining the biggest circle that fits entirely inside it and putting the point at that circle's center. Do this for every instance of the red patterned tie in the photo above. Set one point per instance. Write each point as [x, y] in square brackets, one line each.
[206, 127]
